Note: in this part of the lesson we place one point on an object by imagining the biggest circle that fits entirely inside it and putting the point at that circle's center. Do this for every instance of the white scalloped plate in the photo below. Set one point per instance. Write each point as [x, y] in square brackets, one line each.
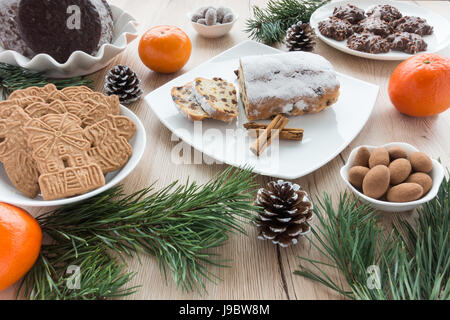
[439, 40]
[9, 194]
[80, 63]
[327, 133]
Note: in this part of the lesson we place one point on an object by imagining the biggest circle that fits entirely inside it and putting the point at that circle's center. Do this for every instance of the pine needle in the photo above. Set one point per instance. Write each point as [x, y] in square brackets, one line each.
[15, 78]
[179, 225]
[412, 266]
[269, 25]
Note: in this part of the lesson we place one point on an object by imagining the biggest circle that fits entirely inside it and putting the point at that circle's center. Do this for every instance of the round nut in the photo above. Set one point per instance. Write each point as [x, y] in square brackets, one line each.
[211, 17]
[201, 21]
[195, 17]
[420, 162]
[221, 13]
[362, 157]
[400, 170]
[228, 18]
[379, 156]
[423, 179]
[405, 192]
[202, 10]
[376, 182]
[397, 153]
[356, 176]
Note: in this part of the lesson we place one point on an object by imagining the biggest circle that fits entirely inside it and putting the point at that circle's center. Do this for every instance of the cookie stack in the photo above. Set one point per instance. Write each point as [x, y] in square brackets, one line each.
[380, 29]
[64, 27]
[61, 143]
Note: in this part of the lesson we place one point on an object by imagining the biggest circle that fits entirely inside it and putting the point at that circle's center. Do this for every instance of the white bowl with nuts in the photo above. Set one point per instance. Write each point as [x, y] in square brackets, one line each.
[395, 177]
[212, 22]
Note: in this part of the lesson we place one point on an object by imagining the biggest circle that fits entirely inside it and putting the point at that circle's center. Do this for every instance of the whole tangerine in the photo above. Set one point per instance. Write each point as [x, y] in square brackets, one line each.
[420, 85]
[165, 49]
[20, 243]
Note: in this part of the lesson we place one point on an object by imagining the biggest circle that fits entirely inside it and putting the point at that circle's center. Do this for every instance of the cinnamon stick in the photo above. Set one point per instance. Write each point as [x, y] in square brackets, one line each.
[269, 134]
[256, 129]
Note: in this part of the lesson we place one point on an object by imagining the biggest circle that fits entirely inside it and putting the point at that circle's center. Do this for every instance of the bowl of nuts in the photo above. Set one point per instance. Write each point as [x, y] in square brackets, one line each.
[212, 22]
[395, 177]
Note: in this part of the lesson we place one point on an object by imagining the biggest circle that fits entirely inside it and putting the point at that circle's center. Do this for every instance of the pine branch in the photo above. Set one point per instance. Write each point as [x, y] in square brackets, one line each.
[269, 25]
[14, 78]
[101, 275]
[179, 225]
[415, 266]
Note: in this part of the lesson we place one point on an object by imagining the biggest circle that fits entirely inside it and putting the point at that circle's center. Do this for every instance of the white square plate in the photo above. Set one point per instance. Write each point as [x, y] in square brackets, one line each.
[439, 40]
[326, 133]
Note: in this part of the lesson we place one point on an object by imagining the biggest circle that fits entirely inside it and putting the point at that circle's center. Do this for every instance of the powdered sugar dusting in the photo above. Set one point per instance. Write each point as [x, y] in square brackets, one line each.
[287, 76]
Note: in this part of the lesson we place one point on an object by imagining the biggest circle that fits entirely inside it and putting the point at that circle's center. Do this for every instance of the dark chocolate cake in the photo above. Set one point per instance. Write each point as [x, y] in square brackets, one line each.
[55, 27]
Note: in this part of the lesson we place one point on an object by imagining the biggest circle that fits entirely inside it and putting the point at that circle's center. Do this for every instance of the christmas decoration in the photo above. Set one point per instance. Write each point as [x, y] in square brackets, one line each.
[286, 213]
[300, 37]
[269, 25]
[123, 82]
[98, 233]
[410, 263]
[14, 78]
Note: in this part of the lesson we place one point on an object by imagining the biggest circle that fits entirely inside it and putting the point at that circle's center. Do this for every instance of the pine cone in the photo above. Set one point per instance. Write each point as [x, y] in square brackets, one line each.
[287, 211]
[123, 82]
[300, 37]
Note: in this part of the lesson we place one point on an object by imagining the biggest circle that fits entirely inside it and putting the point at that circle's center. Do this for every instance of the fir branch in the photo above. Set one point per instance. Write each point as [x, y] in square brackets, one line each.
[415, 265]
[179, 225]
[101, 275]
[269, 25]
[15, 78]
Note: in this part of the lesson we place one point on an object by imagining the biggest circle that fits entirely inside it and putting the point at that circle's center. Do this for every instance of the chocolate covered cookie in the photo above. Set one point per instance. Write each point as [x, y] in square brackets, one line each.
[335, 28]
[407, 42]
[384, 12]
[374, 25]
[60, 27]
[413, 25]
[368, 42]
[349, 12]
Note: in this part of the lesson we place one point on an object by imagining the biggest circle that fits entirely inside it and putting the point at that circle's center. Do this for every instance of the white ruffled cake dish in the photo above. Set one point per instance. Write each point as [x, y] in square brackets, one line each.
[80, 63]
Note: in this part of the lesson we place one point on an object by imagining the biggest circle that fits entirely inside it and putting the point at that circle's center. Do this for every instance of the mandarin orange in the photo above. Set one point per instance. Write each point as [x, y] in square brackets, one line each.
[20, 243]
[165, 49]
[420, 85]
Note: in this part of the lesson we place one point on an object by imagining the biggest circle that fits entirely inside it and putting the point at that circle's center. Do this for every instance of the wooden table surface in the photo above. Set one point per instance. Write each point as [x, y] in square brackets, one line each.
[259, 269]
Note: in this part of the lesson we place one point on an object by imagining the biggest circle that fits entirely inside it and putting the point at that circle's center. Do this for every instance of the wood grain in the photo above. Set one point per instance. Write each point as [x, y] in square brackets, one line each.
[259, 269]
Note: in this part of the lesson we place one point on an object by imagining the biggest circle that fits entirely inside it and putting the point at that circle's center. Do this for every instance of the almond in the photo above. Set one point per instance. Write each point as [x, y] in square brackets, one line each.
[356, 176]
[400, 170]
[420, 162]
[362, 157]
[405, 192]
[376, 181]
[423, 179]
[379, 156]
[397, 153]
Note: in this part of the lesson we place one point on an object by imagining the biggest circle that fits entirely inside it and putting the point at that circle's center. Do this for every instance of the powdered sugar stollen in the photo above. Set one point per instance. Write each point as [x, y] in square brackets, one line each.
[291, 83]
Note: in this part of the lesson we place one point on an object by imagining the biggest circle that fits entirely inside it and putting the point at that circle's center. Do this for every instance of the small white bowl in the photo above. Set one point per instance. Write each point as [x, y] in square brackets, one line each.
[80, 63]
[215, 31]
[9, 194]
[437, 174]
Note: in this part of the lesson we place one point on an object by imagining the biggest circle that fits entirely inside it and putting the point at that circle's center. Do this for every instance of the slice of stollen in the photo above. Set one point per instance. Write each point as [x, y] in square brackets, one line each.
[184, 99]
[217, 97]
